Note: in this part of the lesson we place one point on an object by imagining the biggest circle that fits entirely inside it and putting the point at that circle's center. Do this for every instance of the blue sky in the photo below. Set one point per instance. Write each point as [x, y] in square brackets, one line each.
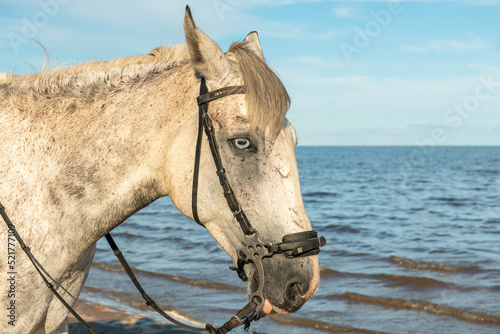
[358, 72]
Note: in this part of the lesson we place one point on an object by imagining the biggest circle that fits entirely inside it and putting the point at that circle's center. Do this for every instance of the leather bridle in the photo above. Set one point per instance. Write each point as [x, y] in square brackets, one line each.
[293, 245]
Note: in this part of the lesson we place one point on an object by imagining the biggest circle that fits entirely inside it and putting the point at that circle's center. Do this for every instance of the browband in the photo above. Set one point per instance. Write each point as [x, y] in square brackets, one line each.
[218, 93]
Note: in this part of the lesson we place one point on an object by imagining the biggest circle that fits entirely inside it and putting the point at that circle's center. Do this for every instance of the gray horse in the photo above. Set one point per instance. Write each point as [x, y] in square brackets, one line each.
[83, 148]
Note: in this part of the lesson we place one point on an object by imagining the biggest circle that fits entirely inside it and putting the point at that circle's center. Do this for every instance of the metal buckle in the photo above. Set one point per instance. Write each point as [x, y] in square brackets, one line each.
[254, 251]
[235, 213]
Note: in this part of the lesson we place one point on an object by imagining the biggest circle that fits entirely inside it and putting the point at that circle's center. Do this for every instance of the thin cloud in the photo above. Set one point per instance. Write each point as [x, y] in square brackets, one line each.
[448, 45]
[342, 11]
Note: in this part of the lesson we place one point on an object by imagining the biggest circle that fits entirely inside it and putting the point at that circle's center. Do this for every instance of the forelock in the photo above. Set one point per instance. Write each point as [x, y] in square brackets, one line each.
[266, 96]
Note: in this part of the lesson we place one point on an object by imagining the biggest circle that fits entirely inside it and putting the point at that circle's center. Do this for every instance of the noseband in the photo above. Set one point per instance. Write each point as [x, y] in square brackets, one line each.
[293, 245]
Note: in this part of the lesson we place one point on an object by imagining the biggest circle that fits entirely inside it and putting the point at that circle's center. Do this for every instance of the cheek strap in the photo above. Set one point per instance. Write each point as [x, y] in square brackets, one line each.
[205, 123]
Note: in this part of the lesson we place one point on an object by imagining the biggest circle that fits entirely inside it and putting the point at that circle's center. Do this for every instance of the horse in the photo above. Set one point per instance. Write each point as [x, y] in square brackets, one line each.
[84, 148]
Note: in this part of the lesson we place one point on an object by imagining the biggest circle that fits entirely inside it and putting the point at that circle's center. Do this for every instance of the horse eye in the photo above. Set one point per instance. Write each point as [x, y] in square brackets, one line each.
[241, 143]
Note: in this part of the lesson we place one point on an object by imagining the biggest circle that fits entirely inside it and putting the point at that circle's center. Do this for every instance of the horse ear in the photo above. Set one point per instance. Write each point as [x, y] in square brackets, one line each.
[252, 41]
[206, 56]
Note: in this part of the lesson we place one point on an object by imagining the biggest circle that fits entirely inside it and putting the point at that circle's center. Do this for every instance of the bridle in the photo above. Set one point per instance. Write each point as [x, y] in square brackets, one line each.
[293, 245]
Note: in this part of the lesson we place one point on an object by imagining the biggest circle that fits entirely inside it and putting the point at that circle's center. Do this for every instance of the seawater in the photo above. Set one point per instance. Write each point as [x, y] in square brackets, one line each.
[413, 246]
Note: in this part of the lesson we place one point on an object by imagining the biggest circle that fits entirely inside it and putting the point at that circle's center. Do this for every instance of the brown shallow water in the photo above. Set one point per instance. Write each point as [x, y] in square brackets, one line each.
[115, 321]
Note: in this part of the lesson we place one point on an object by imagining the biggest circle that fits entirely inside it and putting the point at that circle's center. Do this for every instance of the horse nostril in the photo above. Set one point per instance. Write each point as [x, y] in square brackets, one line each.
[293, 296]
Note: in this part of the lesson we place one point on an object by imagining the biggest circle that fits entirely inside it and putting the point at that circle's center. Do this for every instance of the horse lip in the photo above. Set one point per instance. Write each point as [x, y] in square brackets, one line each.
[267, 308]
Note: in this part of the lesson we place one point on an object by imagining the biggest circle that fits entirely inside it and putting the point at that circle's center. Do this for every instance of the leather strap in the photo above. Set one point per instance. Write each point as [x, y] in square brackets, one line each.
[149, 301]
[299, 244]
[231, 200]
[205, 122]
[236, 320]
[240, 318]
[40, 271]
[206, 96]
[294, 245]
[196, 171]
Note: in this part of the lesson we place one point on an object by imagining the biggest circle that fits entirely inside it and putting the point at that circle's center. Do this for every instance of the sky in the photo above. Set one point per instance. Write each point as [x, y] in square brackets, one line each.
[420, 72]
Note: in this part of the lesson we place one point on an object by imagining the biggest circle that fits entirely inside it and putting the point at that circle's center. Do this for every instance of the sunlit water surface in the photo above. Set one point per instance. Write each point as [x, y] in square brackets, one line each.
[413, 247]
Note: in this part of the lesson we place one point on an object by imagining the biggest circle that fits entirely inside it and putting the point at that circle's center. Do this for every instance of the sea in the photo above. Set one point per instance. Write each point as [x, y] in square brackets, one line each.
[413, 246]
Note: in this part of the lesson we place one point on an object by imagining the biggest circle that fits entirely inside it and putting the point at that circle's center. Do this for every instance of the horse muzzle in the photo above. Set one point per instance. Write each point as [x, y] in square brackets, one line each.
[284, 275]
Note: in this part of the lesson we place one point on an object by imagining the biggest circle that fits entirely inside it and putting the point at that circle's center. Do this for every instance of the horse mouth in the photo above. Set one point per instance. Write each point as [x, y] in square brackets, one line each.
[283, 292]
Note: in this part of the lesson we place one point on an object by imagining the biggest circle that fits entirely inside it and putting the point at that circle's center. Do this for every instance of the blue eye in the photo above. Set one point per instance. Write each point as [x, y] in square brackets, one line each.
[241, 143]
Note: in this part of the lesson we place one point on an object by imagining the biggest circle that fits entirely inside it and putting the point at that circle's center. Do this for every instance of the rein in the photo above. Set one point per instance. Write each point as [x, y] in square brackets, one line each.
[40, 270]
[293, 245]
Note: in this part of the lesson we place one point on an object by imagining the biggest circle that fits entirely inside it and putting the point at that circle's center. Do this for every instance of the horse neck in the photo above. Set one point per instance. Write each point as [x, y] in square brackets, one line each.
[103, 161]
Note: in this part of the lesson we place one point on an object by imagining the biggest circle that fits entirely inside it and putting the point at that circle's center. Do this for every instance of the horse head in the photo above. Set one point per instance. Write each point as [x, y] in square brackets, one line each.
[256, 144]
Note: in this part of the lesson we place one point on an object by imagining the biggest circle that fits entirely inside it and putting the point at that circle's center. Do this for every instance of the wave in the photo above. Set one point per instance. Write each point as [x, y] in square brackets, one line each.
[125, 235]
[124, 297]
[495, 288]
[337, 217]
[149, 213]
[140, 304]
[342, 228]
[450, 200]
[319, 325]
[487, 171]
[419, 305]
[320, 194]
[445, 199]
[180, 279]
[392, 280]
[414, 281]
[421, 265]
[353, 217]
[327, 272]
